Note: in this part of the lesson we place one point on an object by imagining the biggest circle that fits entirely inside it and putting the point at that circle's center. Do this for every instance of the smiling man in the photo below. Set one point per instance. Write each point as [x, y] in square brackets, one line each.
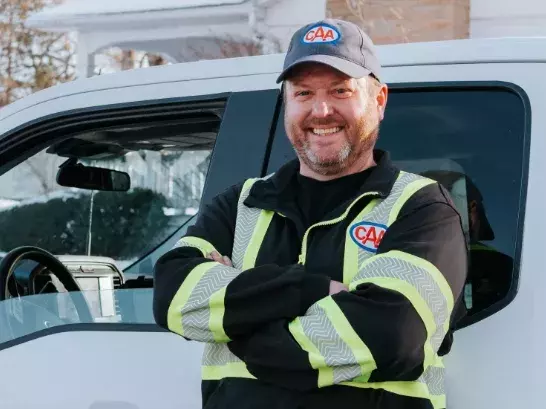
[332, 282]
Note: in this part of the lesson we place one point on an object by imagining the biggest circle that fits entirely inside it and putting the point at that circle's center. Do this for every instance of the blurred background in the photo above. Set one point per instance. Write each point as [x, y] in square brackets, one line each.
[45, 42]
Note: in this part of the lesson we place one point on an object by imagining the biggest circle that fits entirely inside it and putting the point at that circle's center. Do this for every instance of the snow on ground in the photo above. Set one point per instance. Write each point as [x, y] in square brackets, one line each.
[6, 204]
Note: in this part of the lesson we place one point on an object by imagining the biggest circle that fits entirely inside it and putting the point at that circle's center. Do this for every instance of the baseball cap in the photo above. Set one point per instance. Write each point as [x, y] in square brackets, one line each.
[340, 44]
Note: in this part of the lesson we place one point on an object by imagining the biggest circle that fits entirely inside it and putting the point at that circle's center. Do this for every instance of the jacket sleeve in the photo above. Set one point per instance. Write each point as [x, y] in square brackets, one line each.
[391, 323]
[192, 293]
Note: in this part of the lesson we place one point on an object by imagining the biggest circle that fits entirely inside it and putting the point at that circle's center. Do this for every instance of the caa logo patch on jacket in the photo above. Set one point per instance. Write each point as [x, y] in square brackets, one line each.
[367, 235]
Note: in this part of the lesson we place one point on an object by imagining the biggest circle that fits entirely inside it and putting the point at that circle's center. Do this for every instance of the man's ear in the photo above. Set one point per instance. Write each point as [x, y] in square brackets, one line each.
[381, 100]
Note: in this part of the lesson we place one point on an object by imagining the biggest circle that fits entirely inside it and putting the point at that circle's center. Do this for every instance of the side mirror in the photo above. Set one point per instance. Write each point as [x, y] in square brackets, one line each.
[72, 174]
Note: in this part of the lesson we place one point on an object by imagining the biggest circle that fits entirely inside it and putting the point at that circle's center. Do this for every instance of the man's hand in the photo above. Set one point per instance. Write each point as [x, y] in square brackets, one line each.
[337, 287]
[220, 259]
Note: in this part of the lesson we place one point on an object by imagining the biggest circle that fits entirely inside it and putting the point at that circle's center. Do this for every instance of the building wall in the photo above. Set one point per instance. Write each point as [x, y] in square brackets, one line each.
[399, 21]
[496, 18]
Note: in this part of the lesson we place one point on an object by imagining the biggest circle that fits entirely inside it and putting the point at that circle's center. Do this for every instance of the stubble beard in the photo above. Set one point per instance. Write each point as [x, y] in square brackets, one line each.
[347, 156]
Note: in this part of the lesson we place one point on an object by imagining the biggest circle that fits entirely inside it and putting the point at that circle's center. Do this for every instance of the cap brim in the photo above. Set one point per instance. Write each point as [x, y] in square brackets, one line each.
[347, 67]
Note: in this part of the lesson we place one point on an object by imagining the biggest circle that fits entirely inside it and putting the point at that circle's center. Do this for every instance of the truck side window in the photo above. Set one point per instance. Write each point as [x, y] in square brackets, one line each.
[472, 139]
[107, 236]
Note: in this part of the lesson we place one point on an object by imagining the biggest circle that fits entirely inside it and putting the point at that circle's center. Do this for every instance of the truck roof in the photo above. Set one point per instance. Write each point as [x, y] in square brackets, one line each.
[513, 50]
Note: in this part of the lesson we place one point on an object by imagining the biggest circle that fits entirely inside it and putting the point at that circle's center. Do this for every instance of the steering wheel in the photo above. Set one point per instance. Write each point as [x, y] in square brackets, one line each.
[53, 264]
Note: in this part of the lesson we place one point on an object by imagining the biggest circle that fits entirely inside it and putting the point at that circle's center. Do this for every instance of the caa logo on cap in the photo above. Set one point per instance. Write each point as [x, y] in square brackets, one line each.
[367, 235]
[321, 34]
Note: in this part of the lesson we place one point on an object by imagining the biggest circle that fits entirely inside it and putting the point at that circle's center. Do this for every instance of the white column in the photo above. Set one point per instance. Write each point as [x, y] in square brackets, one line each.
[85, 58]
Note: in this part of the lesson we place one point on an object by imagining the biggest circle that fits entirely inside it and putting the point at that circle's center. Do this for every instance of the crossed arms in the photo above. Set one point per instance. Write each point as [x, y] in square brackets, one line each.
[285, 324]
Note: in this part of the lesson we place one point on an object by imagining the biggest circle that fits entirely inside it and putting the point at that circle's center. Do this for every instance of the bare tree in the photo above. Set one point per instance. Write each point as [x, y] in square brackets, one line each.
[30, 59]
[121, 59]
[229, 47]
[42, 170]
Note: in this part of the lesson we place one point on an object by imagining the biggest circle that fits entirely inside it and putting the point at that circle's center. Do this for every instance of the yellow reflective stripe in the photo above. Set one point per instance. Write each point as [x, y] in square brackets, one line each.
[204, 246]
[258, 235]
[350, 262]
[216, 319]
[325, 374]
[431, 269]
[247, 185]
[345, 331]
[420, 305]
[230, 369]
[438, 401]
[174, 315]
[436, 275]
[409, 191]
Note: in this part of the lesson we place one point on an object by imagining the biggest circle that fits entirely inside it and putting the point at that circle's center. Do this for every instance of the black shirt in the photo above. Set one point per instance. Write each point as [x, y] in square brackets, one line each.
[316, 199]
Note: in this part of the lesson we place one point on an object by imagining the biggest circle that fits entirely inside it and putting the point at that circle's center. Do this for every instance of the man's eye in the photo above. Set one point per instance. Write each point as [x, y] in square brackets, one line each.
[302, 93]
[342, 90]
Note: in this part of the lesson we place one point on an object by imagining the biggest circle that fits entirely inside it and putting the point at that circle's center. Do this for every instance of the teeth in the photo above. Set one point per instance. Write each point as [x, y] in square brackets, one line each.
[318, 131]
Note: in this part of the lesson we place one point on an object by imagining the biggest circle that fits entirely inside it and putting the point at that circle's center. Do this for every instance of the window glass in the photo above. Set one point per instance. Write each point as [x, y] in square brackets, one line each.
[166, 188]
[472, 140]
[96, 233]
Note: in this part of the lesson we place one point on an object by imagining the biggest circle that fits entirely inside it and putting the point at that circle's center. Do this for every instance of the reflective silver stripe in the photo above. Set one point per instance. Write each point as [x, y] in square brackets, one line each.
[195, 242]
[247, 218]
[217, 355]
[434, 378]
[381, 212]
[244, 226]
[420, 279]
[196, 312]
[337, 355]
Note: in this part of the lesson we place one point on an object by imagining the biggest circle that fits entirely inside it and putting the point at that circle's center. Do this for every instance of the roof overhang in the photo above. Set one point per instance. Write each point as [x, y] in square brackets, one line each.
[85, 16]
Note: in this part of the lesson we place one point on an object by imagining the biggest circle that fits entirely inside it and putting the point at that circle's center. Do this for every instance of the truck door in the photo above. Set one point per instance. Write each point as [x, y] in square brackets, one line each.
[178, 152]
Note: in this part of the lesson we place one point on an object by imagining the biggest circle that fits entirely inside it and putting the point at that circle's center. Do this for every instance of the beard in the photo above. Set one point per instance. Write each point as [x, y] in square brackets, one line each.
[359, 140]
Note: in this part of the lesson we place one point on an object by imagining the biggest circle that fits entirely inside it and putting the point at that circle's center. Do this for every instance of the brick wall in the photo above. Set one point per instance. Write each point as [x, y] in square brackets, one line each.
[398, 21]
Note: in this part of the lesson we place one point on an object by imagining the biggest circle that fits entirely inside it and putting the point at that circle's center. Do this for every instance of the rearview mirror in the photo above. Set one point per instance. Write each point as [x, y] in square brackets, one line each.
[72, 174]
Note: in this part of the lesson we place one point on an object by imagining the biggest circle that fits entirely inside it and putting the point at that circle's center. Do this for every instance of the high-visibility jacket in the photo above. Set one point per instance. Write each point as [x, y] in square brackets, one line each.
[275, 338]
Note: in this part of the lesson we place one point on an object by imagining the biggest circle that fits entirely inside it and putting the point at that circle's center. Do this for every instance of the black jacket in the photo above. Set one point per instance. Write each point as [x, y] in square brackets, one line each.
[261, 301]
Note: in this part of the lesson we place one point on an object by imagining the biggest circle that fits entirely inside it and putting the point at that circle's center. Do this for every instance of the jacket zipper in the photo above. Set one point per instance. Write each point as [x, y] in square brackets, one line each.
[303, 255]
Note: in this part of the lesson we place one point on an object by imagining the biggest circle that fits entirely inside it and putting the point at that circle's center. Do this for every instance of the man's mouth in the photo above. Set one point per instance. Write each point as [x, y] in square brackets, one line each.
[326, 131]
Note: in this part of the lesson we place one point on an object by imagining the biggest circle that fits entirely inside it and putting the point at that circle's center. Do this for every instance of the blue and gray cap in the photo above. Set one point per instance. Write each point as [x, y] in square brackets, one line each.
[340, 44]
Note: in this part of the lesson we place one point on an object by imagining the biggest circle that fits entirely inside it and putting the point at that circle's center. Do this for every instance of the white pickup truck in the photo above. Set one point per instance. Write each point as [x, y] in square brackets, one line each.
[117, 166]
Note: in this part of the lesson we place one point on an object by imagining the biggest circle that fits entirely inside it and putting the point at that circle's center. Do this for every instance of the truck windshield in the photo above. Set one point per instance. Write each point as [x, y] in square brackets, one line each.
[165, 193]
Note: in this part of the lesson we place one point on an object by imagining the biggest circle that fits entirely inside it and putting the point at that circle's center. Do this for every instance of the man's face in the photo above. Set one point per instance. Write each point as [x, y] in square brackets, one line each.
[332, 120]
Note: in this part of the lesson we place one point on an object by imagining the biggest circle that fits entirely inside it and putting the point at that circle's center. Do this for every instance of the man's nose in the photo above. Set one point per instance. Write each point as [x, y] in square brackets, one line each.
[322, 109]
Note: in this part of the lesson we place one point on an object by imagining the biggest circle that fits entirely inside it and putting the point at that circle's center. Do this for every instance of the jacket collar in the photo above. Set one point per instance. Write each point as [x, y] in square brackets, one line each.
[280, 189]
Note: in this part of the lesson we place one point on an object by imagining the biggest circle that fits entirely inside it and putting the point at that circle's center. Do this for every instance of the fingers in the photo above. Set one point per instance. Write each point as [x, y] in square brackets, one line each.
[216, 257]
[337, 287]
[227, 261]
[220, 259]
